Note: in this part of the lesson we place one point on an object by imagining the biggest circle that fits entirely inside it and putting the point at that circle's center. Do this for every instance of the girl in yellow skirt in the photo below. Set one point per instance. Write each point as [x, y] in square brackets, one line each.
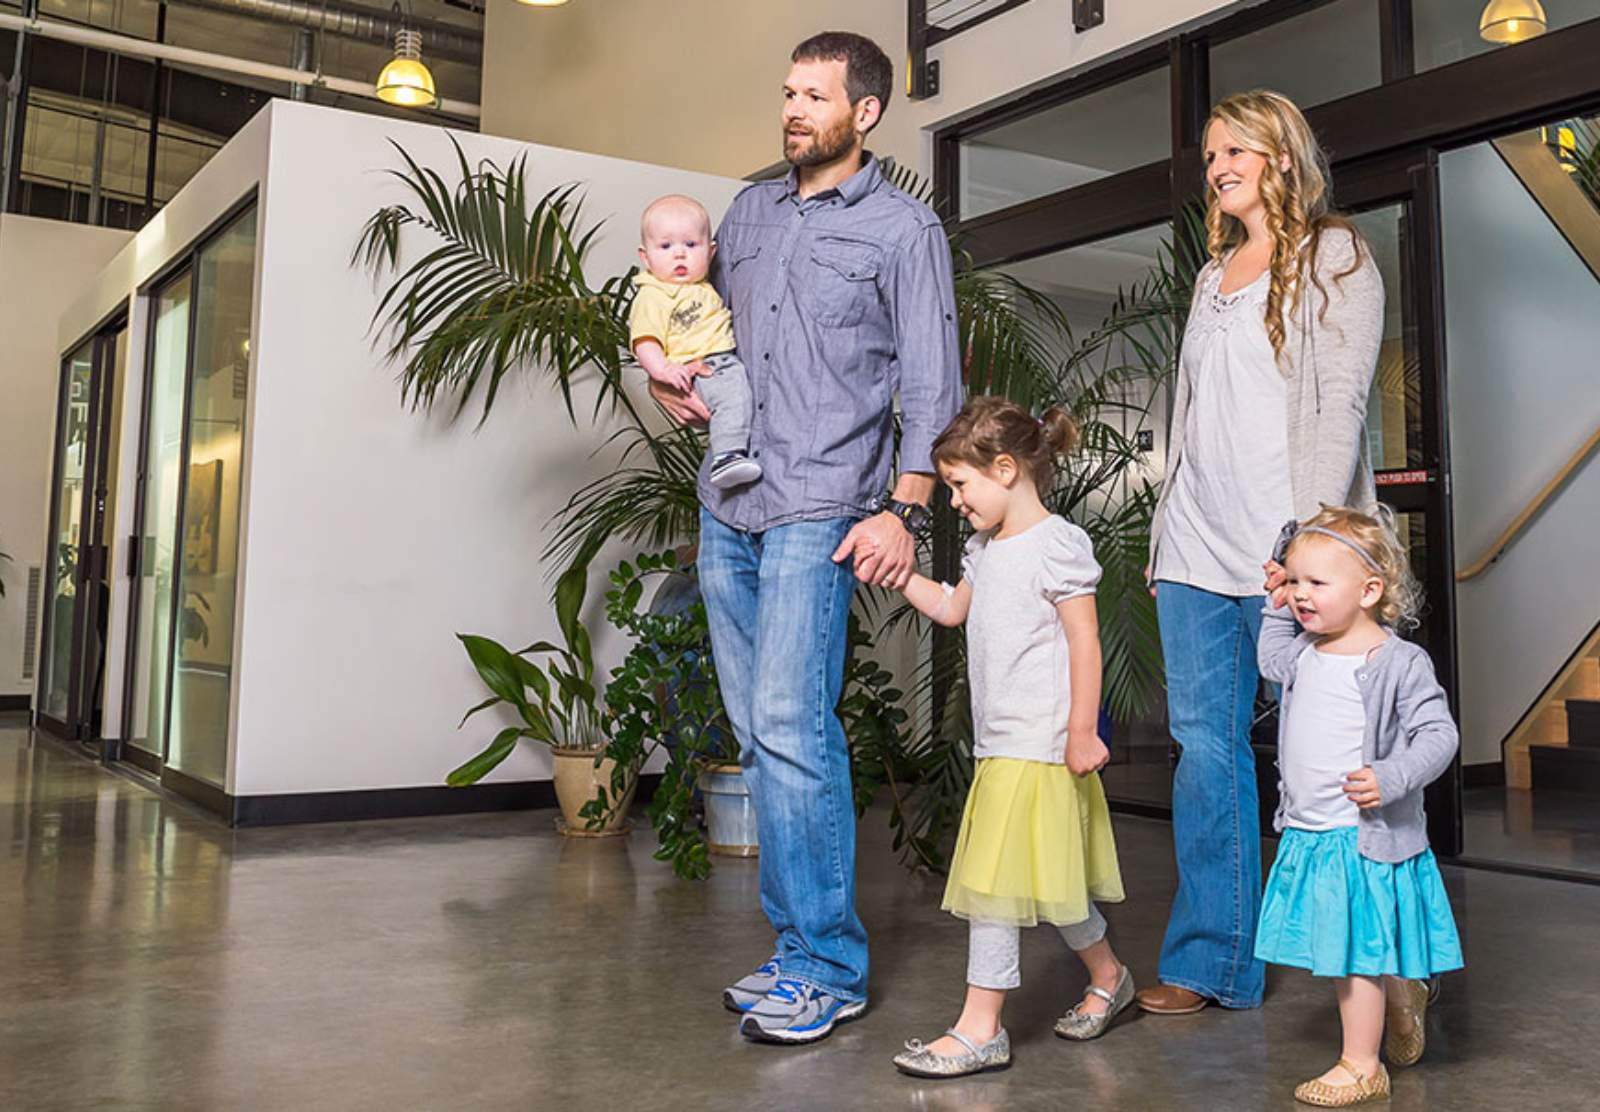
[1035, 842]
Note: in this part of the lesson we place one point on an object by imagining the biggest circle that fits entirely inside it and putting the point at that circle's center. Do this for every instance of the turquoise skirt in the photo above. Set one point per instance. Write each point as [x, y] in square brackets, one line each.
[1338, 914]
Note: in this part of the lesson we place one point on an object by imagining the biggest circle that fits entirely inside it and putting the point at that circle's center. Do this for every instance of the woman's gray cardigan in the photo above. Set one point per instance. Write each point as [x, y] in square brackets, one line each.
[1329, 360]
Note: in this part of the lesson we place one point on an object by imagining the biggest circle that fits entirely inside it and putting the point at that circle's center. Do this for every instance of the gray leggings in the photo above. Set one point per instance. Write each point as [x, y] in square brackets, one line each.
[994, 949]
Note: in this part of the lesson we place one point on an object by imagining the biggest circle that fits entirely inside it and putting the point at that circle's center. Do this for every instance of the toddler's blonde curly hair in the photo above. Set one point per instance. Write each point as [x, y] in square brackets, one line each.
[1400, 606]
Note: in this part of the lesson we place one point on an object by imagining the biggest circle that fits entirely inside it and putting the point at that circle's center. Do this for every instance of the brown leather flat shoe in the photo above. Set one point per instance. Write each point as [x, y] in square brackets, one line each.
[1170, 1000]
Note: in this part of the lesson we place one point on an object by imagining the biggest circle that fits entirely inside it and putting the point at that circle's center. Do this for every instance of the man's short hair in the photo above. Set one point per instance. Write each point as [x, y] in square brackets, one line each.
[867, 69]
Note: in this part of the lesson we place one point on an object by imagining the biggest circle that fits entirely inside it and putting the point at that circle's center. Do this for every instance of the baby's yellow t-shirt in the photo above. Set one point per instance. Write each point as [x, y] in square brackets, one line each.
[689, 321]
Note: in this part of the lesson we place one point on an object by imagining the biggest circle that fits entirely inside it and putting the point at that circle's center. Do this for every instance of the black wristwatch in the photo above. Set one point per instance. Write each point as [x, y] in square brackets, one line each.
[915, 517]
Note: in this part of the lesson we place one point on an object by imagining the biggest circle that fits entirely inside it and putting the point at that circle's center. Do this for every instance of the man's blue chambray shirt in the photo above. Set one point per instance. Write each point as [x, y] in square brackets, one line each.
[839, 301]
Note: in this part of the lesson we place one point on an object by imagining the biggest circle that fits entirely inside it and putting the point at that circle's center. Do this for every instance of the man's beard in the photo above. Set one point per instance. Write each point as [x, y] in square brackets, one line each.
[825, 146]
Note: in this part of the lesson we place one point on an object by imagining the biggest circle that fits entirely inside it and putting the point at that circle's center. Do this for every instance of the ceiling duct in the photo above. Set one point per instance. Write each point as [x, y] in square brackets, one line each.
[352, 21]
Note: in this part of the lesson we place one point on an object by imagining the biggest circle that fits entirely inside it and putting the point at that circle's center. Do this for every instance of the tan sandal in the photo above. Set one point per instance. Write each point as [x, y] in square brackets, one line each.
[1405, 1031]
[1373, 1086]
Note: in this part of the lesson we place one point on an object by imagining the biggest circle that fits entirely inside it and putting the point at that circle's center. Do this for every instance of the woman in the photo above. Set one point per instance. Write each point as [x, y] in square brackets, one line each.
[1268, 423]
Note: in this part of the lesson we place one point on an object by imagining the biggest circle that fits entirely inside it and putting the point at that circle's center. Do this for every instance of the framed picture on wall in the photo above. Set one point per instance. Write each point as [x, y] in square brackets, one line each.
[202, 516]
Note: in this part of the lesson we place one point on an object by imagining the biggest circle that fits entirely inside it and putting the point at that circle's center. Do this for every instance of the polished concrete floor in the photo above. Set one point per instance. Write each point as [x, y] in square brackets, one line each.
[1544, 829]
[151, 959]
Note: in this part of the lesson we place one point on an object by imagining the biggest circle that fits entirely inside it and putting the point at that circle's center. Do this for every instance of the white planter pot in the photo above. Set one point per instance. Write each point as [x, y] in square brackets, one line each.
[730, 818]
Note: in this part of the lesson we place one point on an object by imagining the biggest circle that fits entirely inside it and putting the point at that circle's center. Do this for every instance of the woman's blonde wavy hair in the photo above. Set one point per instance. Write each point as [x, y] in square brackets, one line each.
[1400, 605]
[1269, 124]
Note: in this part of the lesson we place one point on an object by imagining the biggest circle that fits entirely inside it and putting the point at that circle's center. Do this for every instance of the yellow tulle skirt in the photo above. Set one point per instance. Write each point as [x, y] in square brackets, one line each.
[1035, 846]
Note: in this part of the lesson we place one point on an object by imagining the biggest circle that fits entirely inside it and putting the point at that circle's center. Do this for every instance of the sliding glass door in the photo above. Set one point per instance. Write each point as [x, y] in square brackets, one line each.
[158, 514]
[187, 559]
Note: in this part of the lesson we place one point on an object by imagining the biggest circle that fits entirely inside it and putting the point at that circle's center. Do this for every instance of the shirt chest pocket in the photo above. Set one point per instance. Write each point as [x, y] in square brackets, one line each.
[840, 281]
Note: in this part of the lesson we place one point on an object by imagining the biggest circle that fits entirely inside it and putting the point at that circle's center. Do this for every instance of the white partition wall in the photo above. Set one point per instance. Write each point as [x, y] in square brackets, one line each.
[370, 534]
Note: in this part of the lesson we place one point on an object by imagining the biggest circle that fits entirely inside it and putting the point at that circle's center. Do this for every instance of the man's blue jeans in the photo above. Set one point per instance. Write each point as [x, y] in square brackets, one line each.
[779, 608]
[1209, 642]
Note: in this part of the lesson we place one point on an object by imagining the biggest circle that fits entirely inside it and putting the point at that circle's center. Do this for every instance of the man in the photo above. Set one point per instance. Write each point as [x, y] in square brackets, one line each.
[842, 296]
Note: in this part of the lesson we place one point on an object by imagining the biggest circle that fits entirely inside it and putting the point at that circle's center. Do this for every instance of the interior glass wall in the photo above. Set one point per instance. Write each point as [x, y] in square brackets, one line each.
[1329, 52]
[67, 529]
[158, 479]
[208, 560]
[1093, 136]
[1446, 31]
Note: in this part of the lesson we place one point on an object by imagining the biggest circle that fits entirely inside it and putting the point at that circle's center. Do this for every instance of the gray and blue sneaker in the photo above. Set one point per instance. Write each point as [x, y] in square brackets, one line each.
[795, 1012]
[744, 993]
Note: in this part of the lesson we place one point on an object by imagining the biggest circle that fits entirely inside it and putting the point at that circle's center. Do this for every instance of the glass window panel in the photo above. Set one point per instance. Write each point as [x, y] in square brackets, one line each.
[158, 538]
[209, 525]
[1329, 52]
[64, 540]
[1094, 136]
[1446, 31]
[1394, 408]
[1087, 282]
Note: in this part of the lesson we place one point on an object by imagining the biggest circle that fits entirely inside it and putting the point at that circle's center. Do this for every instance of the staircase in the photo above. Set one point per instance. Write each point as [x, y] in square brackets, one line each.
[1558, 745]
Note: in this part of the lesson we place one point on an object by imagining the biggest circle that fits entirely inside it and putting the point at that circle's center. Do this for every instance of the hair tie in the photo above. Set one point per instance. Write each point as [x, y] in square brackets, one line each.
[1293, 529]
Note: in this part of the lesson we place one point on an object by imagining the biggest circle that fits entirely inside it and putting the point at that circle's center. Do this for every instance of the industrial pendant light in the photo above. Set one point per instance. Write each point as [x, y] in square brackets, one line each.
[405, 80]
[1508, 21]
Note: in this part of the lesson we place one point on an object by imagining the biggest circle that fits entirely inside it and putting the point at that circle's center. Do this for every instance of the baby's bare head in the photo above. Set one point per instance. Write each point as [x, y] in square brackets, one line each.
[675, 239]
[674, 214]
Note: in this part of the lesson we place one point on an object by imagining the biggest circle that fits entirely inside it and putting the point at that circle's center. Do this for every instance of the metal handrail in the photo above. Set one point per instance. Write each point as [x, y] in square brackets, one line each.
[1530, 511]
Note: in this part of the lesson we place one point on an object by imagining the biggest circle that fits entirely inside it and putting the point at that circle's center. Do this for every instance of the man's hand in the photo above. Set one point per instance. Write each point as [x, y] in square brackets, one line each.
[1361, 788]
[885, 554]
[683, 405]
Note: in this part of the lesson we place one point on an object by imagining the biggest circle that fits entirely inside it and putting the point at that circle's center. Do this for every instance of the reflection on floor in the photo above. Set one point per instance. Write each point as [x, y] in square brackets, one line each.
[1545, 828]
[155, 960]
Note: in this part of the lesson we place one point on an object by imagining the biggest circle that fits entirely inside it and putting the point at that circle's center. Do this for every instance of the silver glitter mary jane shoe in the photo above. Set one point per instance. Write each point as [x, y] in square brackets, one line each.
[1081, 1026]
[918, 1061]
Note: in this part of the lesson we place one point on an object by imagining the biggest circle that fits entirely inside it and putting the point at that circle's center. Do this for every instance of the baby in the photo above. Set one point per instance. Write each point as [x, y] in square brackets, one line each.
[678, 318]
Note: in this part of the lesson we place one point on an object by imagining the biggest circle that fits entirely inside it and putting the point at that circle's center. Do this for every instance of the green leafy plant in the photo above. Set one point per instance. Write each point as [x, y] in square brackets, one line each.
[664, 696]
[504, 288]
[556, 699]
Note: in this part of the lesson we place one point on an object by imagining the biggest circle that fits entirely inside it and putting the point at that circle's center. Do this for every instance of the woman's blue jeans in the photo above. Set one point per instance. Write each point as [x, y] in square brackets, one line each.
[1209, 642]
[779, 608]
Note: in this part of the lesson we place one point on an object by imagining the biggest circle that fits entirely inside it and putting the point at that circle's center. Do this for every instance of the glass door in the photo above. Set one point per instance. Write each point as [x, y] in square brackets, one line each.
[186, 552]
[73, 662]
[156, 520]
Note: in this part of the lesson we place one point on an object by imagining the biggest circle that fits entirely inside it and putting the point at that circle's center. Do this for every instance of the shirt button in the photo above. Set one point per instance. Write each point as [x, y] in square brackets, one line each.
[756, 453]
[774, 308]
[761, 405]
[766, 356]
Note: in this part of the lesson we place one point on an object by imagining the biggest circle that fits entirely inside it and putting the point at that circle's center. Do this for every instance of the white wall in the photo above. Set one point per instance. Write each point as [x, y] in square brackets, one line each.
[699, 87]
[43, 264]
[374, 534]
[1523, 331]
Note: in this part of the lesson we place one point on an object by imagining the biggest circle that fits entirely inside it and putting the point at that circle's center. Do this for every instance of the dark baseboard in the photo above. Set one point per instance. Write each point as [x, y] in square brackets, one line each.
[16, 702]
[213, 799]
[1491, 774]
[401, 803]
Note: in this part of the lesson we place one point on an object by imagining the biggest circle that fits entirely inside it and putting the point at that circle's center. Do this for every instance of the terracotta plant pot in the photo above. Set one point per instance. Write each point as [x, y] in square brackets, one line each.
[577, 779]
[730, 819]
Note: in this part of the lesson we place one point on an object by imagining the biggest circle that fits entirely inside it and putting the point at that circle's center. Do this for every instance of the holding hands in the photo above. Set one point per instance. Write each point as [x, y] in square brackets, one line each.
[1277, 584]
[884, 551]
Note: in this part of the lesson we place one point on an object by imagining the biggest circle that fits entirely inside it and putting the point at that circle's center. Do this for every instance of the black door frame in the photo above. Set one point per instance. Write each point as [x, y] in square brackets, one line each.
[1385, 142]
[92, 548]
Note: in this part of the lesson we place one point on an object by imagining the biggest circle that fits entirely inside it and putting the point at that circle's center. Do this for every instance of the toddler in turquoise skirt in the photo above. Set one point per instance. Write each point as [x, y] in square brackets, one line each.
[1035, 843]
[1364, 727]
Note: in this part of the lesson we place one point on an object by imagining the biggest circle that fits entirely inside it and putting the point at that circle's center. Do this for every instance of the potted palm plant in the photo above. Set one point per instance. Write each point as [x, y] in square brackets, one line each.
[502, 289]
[552, 690]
